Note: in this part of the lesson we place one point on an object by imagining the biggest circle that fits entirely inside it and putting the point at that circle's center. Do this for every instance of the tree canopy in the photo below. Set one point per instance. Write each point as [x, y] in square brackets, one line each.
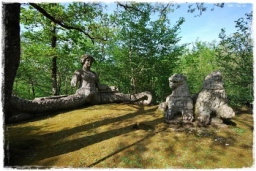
[133, 51]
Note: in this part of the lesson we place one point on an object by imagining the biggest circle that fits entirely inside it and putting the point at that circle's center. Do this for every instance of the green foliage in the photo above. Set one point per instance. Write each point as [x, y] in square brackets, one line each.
[196, 64]
[133, 50]
[235, 57]
[144, 51]
[38, 50]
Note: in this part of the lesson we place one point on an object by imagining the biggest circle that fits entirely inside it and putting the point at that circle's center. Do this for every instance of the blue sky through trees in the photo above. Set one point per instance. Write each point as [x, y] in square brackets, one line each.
[206, 27]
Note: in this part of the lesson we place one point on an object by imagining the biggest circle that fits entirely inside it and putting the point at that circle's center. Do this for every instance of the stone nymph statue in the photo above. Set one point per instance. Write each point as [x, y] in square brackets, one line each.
[89, 81]
[90, 92]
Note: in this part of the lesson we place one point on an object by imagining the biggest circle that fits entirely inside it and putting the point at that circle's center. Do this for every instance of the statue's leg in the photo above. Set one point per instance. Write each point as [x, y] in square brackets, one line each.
[202, 112]
[169, 115]
[187, 115]
[162, 106]
[225, 112]
[187, 112]
[204, 118]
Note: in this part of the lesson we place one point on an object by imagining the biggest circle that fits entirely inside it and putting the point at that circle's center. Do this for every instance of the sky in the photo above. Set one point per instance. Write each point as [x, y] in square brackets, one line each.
[207, 27]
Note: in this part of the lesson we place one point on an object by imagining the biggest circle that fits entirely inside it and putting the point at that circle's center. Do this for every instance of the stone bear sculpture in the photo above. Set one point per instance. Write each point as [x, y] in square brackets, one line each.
[179, 102]
[211, 101]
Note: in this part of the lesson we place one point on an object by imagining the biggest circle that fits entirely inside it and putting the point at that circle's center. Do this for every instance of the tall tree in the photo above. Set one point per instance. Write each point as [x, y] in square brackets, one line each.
[75, 22]
[235, 56]
[145, 50]
[11, 13]
[11, 49]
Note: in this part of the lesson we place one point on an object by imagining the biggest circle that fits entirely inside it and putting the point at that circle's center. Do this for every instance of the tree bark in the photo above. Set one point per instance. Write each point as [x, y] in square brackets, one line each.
[11, 58]
[11, 50]
[54, 63]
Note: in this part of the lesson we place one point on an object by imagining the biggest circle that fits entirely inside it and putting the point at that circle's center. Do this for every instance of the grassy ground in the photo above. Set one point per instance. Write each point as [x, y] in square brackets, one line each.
[127, 136]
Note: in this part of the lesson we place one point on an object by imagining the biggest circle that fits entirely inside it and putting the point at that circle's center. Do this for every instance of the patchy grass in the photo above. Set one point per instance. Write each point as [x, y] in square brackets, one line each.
[126, 136]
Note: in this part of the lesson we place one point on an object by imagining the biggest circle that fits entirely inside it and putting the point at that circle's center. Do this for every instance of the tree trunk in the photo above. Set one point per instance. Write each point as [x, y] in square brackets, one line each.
[11, 49]
[33, 88]
[11, 58]
[54, 64]
[133, 85]
[54, 76]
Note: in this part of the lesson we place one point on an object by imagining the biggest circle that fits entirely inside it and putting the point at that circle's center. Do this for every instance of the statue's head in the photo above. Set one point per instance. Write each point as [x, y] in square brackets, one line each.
[213, 81]
[86, 56]
[177, 80]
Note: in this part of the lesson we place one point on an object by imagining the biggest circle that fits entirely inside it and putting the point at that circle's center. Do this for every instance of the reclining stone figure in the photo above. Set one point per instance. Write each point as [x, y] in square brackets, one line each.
[211, 102]
[90, 91]
[179, 102]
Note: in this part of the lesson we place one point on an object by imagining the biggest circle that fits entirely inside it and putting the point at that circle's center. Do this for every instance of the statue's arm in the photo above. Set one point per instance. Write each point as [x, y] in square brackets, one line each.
[75, 78]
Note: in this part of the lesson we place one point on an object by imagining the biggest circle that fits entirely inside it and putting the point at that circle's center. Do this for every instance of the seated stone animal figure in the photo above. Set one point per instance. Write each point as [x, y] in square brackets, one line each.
[179, 102]
[211, 102]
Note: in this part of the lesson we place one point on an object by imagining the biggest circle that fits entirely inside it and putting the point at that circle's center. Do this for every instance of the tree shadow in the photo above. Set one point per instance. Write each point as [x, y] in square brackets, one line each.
[31, 143]
[148, 126]
[35, 146]
[50, 114]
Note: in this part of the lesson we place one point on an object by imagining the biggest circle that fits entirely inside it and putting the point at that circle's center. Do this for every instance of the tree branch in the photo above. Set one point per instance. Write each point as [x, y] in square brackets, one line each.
[125, 6]
[46, 14]
[162, 11]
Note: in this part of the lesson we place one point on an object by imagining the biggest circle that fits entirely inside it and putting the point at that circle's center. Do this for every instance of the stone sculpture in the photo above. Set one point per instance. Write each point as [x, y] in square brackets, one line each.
[90, 91]
[179, 102]
[211, 102]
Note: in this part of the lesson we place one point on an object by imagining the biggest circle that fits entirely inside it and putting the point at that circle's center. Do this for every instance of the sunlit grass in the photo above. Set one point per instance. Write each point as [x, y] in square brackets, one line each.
[127, 136]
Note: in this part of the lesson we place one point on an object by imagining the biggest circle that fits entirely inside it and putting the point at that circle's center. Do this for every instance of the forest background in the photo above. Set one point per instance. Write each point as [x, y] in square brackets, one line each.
[133, 50]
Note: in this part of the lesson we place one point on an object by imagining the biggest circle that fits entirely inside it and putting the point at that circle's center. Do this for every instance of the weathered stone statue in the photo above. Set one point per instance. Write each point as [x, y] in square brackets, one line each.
[179, 103]
[211, 102]
[89, 84]
[90, 92]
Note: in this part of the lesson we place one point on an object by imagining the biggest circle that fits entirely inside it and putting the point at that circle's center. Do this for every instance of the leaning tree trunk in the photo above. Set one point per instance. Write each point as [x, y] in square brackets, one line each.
[11, 49]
